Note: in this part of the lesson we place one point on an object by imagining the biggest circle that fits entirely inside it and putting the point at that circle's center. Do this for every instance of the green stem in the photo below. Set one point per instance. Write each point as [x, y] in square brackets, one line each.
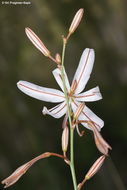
[70, 121]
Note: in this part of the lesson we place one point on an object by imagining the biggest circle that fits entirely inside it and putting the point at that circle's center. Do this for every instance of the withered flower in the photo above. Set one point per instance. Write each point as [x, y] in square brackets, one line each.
[101, 144]
[17, 174]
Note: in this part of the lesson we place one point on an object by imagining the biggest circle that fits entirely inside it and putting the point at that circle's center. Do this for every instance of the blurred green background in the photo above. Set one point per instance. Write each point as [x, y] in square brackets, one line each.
[24, 131]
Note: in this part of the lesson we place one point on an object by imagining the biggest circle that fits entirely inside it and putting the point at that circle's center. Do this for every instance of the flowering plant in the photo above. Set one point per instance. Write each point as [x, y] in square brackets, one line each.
[71, 103]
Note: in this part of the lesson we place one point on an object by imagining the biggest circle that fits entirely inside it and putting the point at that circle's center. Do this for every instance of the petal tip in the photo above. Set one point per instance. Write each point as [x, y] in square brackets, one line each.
[19, 83]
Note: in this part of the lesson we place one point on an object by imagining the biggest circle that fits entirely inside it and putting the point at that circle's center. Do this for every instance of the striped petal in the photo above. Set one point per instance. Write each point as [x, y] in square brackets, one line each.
[88, 116]
[90, 95]
[84, 69]
[57, 75]
[57, 111]
[41, 93]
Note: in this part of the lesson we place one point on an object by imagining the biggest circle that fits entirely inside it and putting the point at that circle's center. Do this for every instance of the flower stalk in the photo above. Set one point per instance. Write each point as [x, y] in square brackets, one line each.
[69, 117]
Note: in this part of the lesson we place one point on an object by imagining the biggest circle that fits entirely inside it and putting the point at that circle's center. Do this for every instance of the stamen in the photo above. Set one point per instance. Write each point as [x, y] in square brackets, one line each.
[73, 87]
[78, 111]
[79, 133]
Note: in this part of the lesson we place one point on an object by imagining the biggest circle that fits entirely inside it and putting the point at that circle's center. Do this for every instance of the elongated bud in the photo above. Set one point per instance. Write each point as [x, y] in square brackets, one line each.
[101, 144]
[14, 177]
[58, 58]
[76, 20]
[37, 42]
[95, 167]
[92, 171]
[78, 111]
[65, 136]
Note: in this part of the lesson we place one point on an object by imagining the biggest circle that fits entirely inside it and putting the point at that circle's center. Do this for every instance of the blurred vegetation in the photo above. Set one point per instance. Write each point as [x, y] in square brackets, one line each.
[24, 131]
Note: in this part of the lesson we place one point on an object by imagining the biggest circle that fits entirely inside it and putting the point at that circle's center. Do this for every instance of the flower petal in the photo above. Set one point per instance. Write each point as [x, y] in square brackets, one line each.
[57, 75]
[90, 95]
[84, 69]
[41, 93]
[88, 116]
[57, 111]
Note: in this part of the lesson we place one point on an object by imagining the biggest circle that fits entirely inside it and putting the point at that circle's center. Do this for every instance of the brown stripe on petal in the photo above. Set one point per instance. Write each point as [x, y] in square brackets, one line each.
[84, 96]
[40, 91]
[60, 109]
[83, 70]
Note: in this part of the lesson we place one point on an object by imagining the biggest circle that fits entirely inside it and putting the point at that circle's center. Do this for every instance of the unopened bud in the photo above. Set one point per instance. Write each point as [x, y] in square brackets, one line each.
[65, 136]
[76, 20]
[95, 167]
[92, 171]
[58, 58]
[37, 42]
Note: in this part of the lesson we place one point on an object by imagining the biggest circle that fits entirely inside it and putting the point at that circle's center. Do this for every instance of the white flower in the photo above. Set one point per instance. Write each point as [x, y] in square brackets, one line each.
[79, 82]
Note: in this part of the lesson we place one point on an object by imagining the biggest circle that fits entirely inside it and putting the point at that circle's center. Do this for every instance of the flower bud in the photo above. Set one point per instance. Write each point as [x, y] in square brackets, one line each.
[37, 42]
[76, 20]
[65, 135]
[95, 167]
[58, 58]
[92, 171]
